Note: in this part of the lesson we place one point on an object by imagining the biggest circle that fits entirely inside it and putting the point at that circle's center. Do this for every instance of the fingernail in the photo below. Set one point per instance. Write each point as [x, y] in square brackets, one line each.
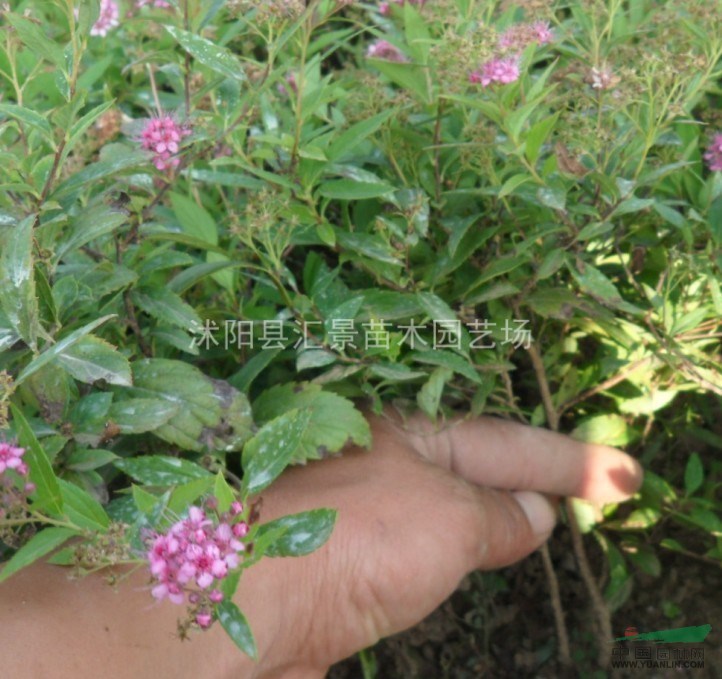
[538, 510]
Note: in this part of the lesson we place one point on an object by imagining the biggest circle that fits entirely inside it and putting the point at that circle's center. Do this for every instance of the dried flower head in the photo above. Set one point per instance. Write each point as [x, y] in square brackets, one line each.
[713, 156]
[603, 78]
[382, 49]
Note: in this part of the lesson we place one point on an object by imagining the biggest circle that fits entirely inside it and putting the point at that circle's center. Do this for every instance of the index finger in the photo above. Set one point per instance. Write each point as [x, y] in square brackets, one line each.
[508, 455]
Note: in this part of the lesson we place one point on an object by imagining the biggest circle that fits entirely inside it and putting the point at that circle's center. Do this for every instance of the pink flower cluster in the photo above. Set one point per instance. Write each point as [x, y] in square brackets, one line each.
[109, 18]
[196, 551]
[504, 68]
[381, 49]
[163, 135]
[713, 156]
[385, 7]
[11, 458]
[496, 71]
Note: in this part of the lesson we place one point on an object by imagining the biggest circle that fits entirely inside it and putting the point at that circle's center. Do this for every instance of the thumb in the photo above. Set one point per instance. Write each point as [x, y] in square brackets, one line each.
[512, 525]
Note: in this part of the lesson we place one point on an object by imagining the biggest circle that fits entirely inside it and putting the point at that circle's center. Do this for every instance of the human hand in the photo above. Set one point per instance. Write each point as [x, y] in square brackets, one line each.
[416, 513]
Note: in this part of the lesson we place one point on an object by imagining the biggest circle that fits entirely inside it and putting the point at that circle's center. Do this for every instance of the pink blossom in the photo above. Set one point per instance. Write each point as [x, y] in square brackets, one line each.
[496, 70]
[713, 156]
[196, 552]
[11, 458]
[204, 619]
[543, 32]
[109, 18]
[162, 135]
[381, 49]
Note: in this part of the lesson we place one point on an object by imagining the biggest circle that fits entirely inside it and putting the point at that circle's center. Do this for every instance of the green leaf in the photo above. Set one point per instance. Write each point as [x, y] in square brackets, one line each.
[537, 136]
[209, 54]
[87, 459]
[335, 421]
[194, 219]
[447, 359]
[56, 349]
[595, 283]
[349, 139]
[223, 493]
[513, 183]
[33, 36]
[145, 502]
[610, 430]
[161, 470]
[39, 545]
[429, 396]
[100, 170]
[693, 474]
[237, 627]
[81, 126]
[91, 359]
[93, 222]
[81, 508]
[212, 415]
[186, 494]
[368, 245]
[138, 415]
[31, 118]
[347, 189]
[299, 534]
[411, 77]
[17, 284]
[272, 449]
[47, 490]
[166, 306]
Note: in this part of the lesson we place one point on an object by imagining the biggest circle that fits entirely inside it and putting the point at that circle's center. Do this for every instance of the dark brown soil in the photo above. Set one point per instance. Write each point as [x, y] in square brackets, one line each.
[500, 625]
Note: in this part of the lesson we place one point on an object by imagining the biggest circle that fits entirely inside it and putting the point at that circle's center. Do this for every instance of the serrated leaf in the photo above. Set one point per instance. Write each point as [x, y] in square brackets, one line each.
[138, 415]
[47, 490]
[209, 54]
[212, 415]
[81, 508]
[29, 117]
[91, 359]
[299, 534]
[335, 421]
[100, 170]
[38, 546]
[272, 449]
[93, 222]
[59, 347]
[237, 627]
[161, 470]
[17, 283]
[165, 305]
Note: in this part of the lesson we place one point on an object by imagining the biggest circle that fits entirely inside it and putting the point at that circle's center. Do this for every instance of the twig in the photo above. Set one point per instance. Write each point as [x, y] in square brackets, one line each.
[601, 610]
[556, 600]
